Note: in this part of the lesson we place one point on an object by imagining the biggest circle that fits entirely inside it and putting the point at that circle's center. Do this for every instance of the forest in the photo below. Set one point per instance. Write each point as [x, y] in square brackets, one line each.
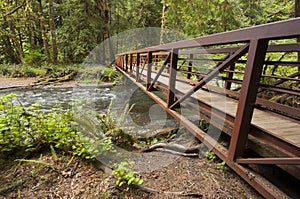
[64, 131]
[55, 31]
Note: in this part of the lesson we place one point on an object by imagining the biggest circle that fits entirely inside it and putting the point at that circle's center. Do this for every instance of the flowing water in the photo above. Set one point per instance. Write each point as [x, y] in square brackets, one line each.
[145, 113]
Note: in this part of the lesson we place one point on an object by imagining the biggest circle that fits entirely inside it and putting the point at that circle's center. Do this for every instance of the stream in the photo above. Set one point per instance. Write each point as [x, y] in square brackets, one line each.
[145, 114]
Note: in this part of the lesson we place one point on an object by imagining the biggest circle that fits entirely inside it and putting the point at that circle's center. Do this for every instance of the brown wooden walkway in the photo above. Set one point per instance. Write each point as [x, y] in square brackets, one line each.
[283, 127]
[240, 85]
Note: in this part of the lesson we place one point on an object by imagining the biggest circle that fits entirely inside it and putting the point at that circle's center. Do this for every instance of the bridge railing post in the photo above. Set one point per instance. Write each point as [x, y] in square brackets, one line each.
[172, 77]
[130, 63]
[190, 65]
[122, 62]
[149, 70]
[137, 72]
[229, 76]
[126, 62]
[256, 56]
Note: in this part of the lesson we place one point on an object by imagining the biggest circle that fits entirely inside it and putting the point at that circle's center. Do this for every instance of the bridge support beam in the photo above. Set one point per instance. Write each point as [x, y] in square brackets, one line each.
[172, 78]
[254, 65]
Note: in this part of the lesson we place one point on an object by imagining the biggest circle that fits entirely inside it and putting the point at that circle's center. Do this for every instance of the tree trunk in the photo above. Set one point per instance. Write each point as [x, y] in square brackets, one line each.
[163, 21]
[103, 8]
[9, 50]
[15, 41]
[53, 31]
[44, 34]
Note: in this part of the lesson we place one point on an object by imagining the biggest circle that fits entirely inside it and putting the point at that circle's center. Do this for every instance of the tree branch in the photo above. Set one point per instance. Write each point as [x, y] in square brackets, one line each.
[15, 9]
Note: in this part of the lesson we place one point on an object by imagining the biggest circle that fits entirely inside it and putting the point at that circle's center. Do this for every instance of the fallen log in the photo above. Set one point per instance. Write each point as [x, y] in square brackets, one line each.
[48, 81]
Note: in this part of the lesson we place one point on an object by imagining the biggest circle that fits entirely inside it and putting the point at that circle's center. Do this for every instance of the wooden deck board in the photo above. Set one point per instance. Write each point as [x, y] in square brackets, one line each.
[281, 126]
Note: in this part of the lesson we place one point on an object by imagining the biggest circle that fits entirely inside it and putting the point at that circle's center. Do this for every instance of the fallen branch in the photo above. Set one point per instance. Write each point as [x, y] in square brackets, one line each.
[179, 153]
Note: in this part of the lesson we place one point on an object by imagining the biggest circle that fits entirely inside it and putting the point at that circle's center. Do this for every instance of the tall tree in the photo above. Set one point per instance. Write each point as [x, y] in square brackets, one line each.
[12, 29]
[43, 31]
[53, 31]
[163, 21]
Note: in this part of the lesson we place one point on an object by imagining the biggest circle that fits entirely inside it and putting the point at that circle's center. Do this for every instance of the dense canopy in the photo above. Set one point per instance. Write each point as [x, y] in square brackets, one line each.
[56, 31]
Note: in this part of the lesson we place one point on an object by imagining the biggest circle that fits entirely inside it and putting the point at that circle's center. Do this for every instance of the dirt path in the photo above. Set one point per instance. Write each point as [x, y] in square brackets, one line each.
[20, 82]
[16, 82]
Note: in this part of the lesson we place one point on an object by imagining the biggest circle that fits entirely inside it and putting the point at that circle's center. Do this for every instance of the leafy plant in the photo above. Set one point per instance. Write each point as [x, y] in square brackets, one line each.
[94, 74]
[210, 155]
[125, 177]
[109, 74]
[222, 166]
[203, 125]
[113, 126]
[26, 130]
[60, 70]
[34, 57]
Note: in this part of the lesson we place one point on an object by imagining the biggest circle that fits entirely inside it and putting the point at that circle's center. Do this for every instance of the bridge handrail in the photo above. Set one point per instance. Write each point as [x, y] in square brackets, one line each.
[272, 31]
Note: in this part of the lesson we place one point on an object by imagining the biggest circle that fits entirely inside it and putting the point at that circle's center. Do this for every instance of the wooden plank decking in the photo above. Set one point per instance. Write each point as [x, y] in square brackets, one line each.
[280, 126]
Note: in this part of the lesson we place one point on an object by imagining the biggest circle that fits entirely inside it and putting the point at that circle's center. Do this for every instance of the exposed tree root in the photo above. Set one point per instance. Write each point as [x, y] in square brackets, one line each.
[176, 148]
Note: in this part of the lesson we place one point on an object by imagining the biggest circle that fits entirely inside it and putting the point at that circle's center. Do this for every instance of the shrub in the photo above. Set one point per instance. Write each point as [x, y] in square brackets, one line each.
[125, 177]
[26, 130]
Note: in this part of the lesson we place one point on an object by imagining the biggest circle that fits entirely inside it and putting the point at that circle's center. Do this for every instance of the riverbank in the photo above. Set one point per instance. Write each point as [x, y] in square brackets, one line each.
[16, 82]
[6, 83]
[61, 175]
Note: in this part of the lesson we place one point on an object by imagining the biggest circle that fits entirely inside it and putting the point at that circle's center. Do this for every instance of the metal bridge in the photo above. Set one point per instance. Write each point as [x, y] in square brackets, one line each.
[244, 82]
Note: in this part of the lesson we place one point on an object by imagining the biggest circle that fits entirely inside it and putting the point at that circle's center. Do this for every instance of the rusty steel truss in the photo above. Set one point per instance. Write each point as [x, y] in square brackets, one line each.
[239, 61]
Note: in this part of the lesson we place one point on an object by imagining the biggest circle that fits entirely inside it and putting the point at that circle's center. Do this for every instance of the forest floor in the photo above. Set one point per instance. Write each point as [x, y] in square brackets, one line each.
[70, 177]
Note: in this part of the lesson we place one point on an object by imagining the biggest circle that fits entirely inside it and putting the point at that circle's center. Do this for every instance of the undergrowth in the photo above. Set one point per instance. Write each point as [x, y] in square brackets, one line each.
[26, 132]
[125, 176]
[85, 74]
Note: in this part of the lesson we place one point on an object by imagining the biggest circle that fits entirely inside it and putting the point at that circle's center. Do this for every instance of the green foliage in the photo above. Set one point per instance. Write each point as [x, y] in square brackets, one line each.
[94, 74]
[61, 70]
[26, 130]
[80, 27]
[37, 162]
[210, 155]
[113, 126]
[79, 31]
[222, 165]
[199, 17]
[109, 75]
[125, 177]
[24, 70]
[203, 125]
[34, 57]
